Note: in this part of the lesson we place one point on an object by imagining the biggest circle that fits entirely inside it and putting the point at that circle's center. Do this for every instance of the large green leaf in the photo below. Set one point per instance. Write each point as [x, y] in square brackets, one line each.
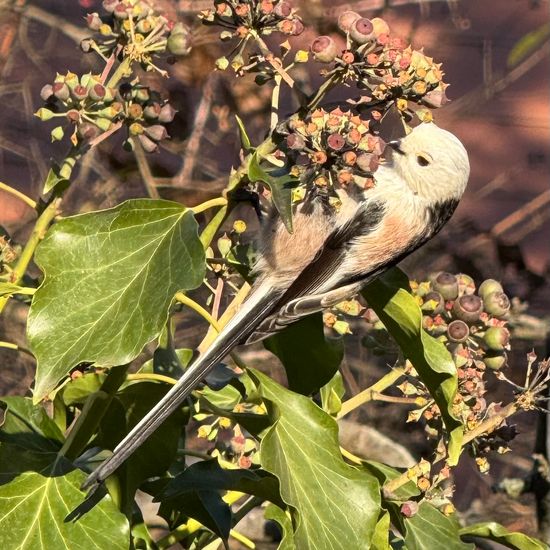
[308, 367]
[335, 505]
[497, 533]
[280, 187]
[274, 513]
[33, 509]
[397, 309]
[110, 277]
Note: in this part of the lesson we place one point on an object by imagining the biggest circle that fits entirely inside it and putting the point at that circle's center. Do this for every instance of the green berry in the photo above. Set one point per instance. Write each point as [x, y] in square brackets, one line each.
[497, 338]
[362, 30]
[495, 361]
[466, 284]
[433, 301]
[447, 285]
[148, 145]
[346, 20]
[61, 91]
[468, 308]
[46, 92]
[295, 142]
[324, 49]
[496, 304]
[488, 286]
[157, 132]
[167, 113]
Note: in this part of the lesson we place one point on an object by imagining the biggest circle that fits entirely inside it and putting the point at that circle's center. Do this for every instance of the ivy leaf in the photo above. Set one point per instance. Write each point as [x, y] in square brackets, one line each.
[332, 393]
[33, 509]
[497, 533]
[334, 505]
[245, 140]
[308, 367]
[274, 513]
[397, 309]
[110, 277]
[53, 179]
[210, 476]
[280, 187]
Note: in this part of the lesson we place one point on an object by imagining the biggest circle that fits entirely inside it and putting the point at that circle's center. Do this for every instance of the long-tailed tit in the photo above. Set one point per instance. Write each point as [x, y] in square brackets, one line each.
[330, 256]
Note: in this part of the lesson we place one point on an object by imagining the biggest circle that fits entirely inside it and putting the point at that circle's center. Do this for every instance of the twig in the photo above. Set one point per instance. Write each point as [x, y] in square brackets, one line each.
[18, 194]
[144, 170]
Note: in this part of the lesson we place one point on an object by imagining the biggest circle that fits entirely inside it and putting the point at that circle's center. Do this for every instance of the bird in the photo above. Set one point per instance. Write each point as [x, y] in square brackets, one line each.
[328, 257]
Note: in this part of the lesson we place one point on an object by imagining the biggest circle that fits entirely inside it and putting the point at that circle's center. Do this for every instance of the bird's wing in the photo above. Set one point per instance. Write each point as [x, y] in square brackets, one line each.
[309, 293]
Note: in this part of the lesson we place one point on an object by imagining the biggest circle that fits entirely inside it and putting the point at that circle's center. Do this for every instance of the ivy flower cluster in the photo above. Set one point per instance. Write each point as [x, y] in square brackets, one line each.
[133, 29]
[390, 69]
[93, 109]
[331, 149]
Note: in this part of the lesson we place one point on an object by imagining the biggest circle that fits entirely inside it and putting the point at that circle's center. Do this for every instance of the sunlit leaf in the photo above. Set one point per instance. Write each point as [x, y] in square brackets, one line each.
[497, 533]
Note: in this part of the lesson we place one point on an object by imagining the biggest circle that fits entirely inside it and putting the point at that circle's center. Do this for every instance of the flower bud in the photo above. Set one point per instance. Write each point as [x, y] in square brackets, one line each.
[466, 284]
[489, 286]
[282, 9]
[341, 327]
[157, 132]
[324, 49]
[239, 226]
[93, 21]
[151, 111]
[468, 308]
[46, 92]
[97, 92]
[497, 338]
[178, 43]
[104, 124]
[135, 111]
[447, 285]
[110, 5]
[409, 508]
[458, 331]
[224, 245]
[496, 304]
[61, 91]
[367, 162]
[361, 30]
[495, 361]
[121, 11]
[149, 146]
[167, 113]
[346, 20]
[44, 114]
[336, 141]
[57, 133]
[295, 142]
[433, 301]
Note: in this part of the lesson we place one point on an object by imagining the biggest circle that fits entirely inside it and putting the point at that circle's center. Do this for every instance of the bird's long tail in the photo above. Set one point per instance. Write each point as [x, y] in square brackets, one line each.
[242, 325]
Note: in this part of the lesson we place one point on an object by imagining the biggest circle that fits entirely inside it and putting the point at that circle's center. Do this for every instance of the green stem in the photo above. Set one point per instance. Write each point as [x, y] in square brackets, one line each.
[10, 345]
[122, 71]
[367, 395]
[40, 228]
[186, 301]
[151, 376]
[218, 201]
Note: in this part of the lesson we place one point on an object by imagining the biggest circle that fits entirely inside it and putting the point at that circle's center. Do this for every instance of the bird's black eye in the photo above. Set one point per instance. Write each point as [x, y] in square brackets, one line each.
[422, 160]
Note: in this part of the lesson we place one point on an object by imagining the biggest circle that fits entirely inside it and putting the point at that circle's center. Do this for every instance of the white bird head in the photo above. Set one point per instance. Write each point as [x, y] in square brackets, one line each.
[432, 162]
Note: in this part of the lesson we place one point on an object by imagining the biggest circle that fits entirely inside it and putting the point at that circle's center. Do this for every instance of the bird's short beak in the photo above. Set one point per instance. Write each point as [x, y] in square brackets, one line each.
[396, 146]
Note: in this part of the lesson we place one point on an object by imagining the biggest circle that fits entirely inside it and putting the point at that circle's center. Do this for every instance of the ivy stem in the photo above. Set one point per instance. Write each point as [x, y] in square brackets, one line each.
[40, 228]
[151, 376]
[10, 345]
[485, 427]
[218, 201]
[372, 392]
[121, 72]
[18, 194]
[186, 301]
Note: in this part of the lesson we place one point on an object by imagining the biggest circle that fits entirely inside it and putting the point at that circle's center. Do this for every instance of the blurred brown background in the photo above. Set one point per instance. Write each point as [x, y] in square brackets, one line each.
[495, 55]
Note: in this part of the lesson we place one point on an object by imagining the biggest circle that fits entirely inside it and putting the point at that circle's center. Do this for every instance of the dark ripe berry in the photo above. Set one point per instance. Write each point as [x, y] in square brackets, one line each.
[361, 30]
[458, 331]
[148, 145]
[496, 304]
[495, 361]
[367, 162]
[46, 92]
[97, 92]
[433, 301]
[336, 142]
[79, 92]
[466, 284]
[346, 20]
[324, 49]
[93, 21]
[489, 286]
[282, 9]
[151, 111]
[295, 142]
[468, 308]
[447, 285]
[497, 338]
[167, 113]
[157, 132]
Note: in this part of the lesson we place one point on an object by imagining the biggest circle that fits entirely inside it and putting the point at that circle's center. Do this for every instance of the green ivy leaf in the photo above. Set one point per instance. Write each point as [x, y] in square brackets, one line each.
[110, 277]
[33, 509]
[332, 393]
[397, 309]
[497, 533]
[335, 505]
[274, 513]
[280, 187]
[309, 367]
[382, 532]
